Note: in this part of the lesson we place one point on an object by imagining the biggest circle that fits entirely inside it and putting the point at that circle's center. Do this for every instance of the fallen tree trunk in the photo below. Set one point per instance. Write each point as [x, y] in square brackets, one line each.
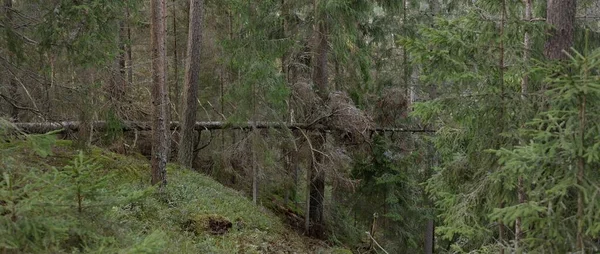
[44, 127]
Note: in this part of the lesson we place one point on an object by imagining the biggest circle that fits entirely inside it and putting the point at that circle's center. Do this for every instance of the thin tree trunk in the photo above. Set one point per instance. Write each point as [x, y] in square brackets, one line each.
[501, 231]
[290, 153]
[321, 79]
[129, 46]
[560, 16]
[122, 77]
[524, 85]
[580, 176]
[176, 62]
[192, 78]
[405, 66]
[307, 217]
[160, 130]
[255, 169]
[12, 83]
[317, 191]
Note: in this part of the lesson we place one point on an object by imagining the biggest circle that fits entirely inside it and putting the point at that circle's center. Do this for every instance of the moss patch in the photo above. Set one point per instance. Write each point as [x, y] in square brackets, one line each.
[127, 216]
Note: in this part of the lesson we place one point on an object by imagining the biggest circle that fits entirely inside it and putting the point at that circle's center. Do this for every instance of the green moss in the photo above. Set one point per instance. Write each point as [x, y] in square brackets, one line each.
[126, 215]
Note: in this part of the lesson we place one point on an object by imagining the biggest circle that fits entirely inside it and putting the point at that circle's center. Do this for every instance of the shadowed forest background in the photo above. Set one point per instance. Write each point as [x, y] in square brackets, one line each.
[282, 126]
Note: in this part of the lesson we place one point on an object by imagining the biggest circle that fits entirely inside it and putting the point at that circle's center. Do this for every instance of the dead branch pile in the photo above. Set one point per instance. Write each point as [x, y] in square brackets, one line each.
[391, 106]
[345, 116]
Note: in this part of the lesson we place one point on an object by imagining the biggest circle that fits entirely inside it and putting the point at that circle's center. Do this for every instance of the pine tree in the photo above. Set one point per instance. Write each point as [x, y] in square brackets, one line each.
[160, 126]
[192, 80]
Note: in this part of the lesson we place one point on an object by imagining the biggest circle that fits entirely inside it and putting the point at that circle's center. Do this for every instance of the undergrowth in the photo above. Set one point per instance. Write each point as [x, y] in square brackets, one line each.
[54, 199]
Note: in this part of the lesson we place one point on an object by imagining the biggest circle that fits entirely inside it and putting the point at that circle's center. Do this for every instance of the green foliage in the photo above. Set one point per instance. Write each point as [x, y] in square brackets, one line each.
[561, 137]
[480, 108]
[41, 212]
[85, 30]
[84, 180]
[114, 128]
[391, 185]
[23, 224]
[41, 144]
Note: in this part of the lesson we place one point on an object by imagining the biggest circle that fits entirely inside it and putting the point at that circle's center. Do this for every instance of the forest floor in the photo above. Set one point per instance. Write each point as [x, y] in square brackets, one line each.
[120, 212]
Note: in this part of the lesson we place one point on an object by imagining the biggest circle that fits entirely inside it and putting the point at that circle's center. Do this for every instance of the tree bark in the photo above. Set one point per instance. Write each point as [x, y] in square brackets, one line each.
[129, 43]
[405, 75]
[429, 236]
[192, 78]
[176, 61]
[317, 182]
[560, 16]
[12, 83]
[122, 77]
[160, 128]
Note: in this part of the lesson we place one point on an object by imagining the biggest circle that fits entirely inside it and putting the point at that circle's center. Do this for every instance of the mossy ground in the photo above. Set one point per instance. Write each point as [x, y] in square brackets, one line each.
[130, 217]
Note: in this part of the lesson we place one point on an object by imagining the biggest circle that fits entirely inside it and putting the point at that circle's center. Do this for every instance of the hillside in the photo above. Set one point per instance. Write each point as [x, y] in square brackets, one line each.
[55, 199]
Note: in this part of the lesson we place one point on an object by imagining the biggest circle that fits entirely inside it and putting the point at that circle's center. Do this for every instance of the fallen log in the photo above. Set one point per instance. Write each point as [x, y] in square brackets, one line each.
[44, 127]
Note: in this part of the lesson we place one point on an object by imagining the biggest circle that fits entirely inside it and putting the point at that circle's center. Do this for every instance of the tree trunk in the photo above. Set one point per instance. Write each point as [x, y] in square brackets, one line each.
[192, 78]
[255, 168]
[122, 77]
[524, 86]
[429, 237]
[581, 176]
[176, 62]
[12, 83]
[560, 16]
[160, 125]
[405, 75]
[317, 182]
[129, 43]
[317, 192]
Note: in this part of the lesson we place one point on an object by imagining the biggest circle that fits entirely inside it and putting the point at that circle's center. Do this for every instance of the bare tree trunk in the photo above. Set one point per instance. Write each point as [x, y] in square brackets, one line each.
[560, 16]
[192, 78]
[255, 168]
[176, 62]
[160, 99]
[405, 67]
[307, 217]
[129, 45]
[429, 237]
[12, 83]
[317, 186]
[122, 76]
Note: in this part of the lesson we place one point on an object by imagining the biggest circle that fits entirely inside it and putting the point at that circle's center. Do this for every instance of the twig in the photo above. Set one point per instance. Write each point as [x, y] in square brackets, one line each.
[213, 108]
[11, 102]
[198, 148]
[376, 243]
[24, 88]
